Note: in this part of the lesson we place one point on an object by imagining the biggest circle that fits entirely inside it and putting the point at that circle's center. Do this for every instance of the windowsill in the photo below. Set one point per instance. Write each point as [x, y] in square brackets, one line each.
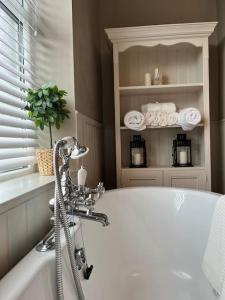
[16, 191]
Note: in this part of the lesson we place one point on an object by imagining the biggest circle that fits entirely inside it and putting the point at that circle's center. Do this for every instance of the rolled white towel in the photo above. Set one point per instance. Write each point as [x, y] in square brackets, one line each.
[135, 120]
[155, 107]
[189, 118]
[162, 118]
[172, 118]
[150, 118]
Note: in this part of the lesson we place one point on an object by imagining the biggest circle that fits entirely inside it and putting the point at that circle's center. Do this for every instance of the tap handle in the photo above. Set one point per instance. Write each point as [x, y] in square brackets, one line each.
[100, 190]
[89, 202]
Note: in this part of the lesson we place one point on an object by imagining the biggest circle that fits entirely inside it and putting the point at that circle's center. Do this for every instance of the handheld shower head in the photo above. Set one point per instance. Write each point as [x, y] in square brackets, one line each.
[76, 150]
[79, 152]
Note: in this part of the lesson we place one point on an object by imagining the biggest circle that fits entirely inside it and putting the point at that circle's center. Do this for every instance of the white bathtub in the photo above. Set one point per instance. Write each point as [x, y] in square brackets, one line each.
[152, 250]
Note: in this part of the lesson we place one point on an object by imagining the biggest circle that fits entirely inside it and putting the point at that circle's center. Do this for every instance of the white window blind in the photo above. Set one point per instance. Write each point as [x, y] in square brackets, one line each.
[18, 30]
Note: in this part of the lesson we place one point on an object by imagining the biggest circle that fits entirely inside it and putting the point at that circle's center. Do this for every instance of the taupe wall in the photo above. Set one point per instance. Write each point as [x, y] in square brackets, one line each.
[87, 58]
[122, 13]
[221, 50]
[55, 57]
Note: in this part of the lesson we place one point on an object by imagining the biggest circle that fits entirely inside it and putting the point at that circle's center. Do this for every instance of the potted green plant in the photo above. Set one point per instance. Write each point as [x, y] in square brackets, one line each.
[46, 106]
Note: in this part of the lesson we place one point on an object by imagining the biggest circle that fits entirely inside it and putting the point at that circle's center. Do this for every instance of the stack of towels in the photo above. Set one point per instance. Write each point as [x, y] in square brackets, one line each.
[214, 257]
[162, 115]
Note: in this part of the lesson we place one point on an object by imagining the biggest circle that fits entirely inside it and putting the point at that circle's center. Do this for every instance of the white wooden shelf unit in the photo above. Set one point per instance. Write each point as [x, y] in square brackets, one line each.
[181, 53]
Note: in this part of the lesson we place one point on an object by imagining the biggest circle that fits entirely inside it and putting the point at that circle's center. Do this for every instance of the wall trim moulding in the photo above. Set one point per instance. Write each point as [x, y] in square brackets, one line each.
[160, 32]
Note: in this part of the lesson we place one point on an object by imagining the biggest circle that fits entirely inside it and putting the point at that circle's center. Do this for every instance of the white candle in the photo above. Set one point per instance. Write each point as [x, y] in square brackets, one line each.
[137, 159]
[183, 158]
[148, 79]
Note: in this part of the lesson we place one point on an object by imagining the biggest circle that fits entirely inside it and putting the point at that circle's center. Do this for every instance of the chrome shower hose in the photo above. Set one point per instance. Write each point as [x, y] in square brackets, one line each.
[60, 211]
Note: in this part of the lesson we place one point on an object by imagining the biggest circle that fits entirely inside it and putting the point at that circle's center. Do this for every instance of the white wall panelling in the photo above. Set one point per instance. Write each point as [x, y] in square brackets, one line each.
[89, 133]
[4, 251]
[22, 227]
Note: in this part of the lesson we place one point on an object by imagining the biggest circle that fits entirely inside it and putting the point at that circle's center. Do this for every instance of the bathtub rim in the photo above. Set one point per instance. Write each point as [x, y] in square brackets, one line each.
[163, 188]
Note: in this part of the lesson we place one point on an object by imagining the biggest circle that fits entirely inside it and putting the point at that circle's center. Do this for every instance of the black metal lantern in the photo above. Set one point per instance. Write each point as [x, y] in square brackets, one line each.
[138, 152]
[182, 156]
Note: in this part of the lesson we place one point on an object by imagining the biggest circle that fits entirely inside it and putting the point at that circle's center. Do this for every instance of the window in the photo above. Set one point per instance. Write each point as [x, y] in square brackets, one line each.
[18, 137]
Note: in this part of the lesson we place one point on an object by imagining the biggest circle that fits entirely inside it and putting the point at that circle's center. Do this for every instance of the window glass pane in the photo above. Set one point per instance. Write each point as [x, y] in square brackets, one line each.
[9, 39]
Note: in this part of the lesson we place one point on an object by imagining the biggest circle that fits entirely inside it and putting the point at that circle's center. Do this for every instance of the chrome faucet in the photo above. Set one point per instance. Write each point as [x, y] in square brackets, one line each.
[79, 199]
[83, 201]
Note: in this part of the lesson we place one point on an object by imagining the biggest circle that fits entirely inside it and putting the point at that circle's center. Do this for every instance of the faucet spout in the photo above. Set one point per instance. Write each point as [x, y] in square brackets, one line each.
[93, 216]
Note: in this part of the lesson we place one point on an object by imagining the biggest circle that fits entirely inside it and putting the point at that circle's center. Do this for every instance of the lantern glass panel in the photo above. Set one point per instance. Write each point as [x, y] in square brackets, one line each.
[183, 155]
[137, 156]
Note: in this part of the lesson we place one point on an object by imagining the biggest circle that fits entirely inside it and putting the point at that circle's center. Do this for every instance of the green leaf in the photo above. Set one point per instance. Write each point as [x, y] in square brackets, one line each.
[29, 97]
[37, 123]
[49, 104]
[55, 99]
[35, 114]
[55, 89]
[39, 103]
[51, 119]
[40, 94]
[46, 92]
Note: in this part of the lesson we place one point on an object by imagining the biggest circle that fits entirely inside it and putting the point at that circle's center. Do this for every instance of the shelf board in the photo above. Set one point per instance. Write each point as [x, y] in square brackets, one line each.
[169, 168]
[159, 127]
[161, 89]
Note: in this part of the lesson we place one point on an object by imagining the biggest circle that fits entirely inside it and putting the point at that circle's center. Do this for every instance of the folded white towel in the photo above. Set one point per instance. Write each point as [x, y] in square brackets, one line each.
[168, 107]
[163, 120]
[172, 118]
[135, 120]
[155, 107]
[189, 118]
[151, 107]
[214, 258]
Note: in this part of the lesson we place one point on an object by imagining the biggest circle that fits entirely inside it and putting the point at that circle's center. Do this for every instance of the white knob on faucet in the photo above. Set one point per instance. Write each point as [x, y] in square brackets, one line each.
[82, 175]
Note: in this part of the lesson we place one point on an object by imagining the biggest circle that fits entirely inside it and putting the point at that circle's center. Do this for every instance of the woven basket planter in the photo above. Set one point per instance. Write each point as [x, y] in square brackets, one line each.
[45, 161]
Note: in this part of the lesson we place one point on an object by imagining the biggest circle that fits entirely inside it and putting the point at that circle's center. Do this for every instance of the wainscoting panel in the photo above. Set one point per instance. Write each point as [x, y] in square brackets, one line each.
[22, 227]
[89, 133]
